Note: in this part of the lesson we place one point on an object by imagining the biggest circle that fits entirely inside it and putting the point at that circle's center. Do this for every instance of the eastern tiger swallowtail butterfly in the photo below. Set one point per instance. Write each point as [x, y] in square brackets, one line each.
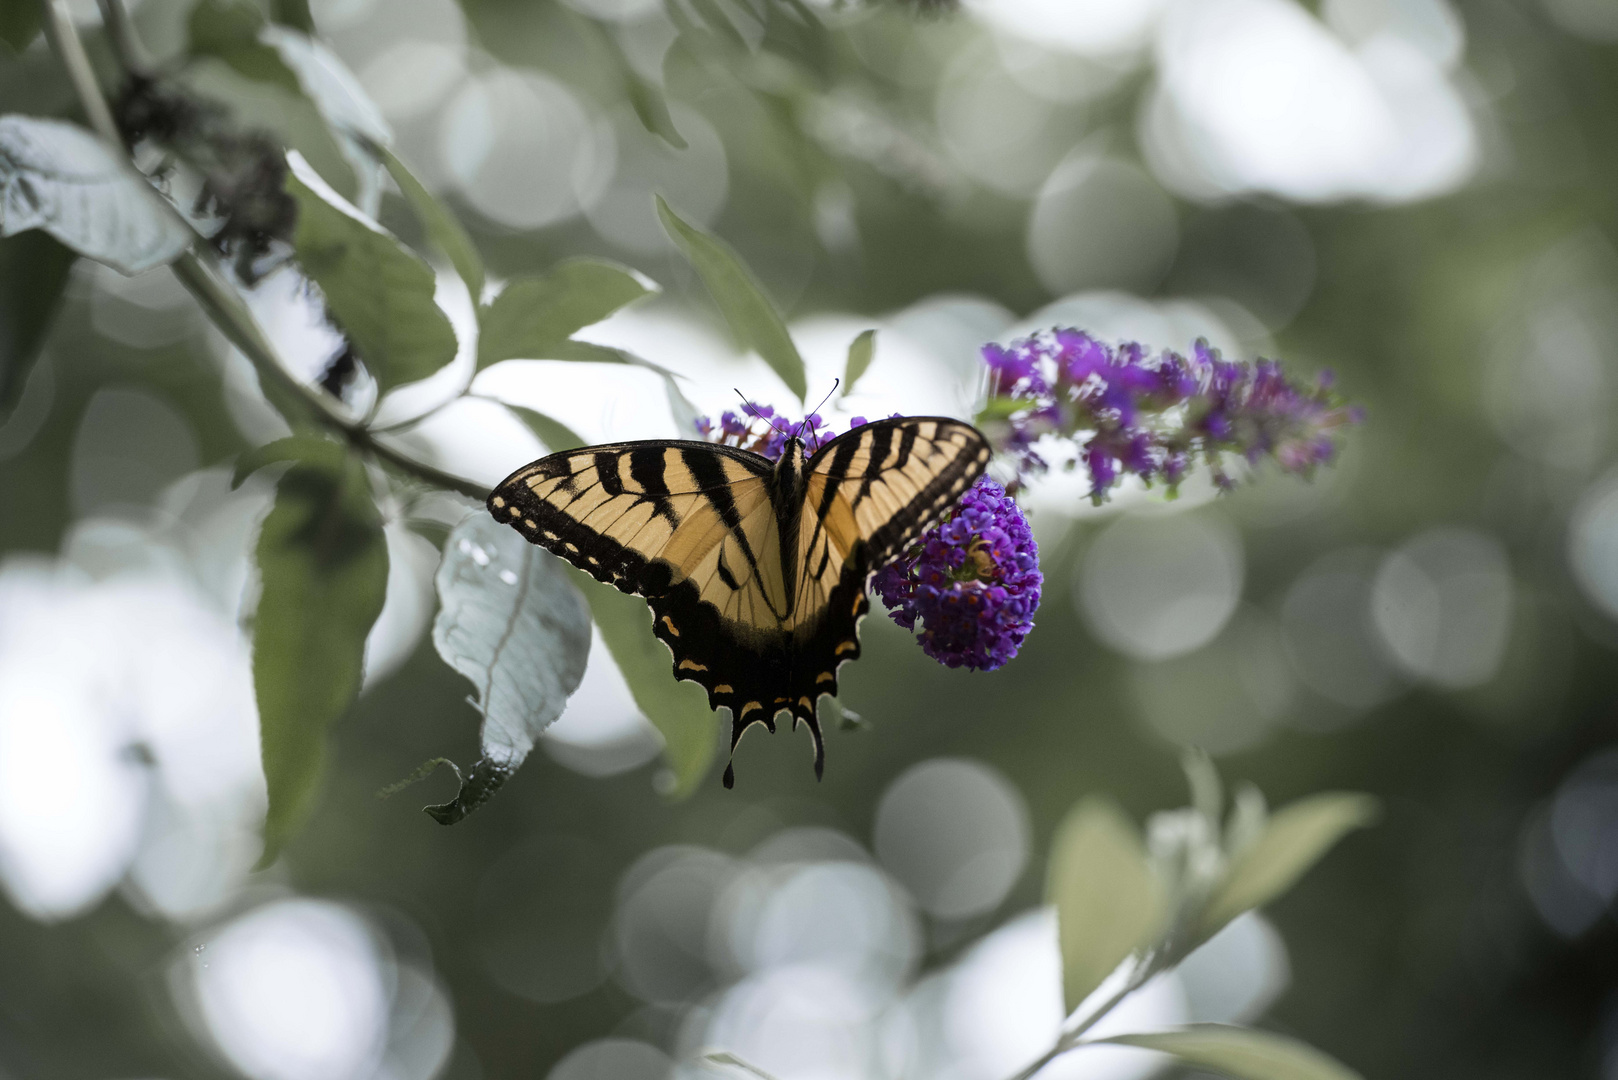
[755, 570]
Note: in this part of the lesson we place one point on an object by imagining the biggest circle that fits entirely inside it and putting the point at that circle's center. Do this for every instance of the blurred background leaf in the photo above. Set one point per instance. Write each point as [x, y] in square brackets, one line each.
[1242, 1054]
[440, 224]
[751, 315]
[229, 30]
[1291, 841]
[33, 272]
[1107, 903]
[860, 351]
[1414, 194]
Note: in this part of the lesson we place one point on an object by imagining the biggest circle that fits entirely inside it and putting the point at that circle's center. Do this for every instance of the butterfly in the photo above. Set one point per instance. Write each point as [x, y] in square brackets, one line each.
[755, 570]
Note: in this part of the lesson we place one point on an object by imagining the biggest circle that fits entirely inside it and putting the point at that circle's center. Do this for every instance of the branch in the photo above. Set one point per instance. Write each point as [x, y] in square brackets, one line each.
[197, 270]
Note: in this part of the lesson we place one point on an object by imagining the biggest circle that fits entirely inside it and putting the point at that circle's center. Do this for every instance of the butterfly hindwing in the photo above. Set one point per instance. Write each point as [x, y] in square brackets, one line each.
[756, 590]
[868, 495]
[691, 527]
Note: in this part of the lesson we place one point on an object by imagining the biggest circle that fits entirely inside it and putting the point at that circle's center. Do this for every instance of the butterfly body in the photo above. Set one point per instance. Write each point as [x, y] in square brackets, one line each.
[755, 570]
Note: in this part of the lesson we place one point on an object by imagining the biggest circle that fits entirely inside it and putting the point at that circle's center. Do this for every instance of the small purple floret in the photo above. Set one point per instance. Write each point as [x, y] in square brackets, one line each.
[764, 431]
[973, 582]
[1126, 411]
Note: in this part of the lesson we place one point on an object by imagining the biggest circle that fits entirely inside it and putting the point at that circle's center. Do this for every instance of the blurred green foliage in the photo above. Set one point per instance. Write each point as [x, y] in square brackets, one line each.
[1415, 950]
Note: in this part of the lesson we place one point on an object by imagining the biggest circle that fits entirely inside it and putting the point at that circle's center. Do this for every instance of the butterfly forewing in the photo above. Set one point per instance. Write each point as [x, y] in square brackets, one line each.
[697, 529]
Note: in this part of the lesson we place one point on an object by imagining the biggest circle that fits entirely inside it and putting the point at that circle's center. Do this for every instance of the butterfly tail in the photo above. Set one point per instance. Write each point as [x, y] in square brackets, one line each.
[812, 722]
[738, 728]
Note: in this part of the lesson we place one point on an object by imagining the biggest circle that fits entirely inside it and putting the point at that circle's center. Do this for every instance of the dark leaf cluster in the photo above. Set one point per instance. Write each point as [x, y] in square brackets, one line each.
[243, 172]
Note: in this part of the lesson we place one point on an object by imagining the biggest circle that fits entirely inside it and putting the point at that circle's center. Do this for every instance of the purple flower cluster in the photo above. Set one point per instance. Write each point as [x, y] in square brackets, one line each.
[973, 581]
[1127, 411]
[764, 431]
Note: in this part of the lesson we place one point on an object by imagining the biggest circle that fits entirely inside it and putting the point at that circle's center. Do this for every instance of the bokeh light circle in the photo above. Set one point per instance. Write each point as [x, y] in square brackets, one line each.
[295, 990]
[1153, 586]
[955, 833]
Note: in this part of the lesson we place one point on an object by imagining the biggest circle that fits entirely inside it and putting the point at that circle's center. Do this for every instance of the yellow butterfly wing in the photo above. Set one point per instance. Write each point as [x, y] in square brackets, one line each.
[758, 601]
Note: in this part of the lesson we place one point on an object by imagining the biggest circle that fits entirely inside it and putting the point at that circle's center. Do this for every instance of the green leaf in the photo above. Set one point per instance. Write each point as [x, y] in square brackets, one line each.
[726, 1058]
[19, 23]
[511, 621]
[333, 90]
[377, 291]
[652, 109]
[533, 317]
[323, 564]
[860, 351]
[352, 120]
[440, 224]
[61, 178]
[33, 274]
[751, 315]
[1108, 903]
[646, 98]
[679, 710]
[1293, 840]
[228, 30]
[556, 435]
[311, 449]
[1241, 1053]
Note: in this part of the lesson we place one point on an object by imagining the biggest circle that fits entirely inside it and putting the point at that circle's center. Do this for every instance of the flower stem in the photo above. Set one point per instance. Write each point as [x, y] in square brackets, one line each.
[197, 270]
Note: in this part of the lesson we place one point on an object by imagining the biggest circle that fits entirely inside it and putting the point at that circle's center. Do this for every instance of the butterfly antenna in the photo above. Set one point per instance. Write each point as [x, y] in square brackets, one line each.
[816, 409]
[752, 410]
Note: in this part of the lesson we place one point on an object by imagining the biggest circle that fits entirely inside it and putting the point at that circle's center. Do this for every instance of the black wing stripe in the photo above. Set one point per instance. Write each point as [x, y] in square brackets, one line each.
[607, 474]
[881, 442]
[711, 476]
[907, 442]
[836, 473]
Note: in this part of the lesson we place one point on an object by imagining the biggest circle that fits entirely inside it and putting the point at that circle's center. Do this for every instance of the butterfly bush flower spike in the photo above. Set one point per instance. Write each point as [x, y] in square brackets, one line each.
[1128, 412]
[973, 582]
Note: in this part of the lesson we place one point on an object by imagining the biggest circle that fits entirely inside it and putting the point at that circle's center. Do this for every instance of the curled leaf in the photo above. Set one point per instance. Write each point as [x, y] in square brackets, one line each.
[511, 621]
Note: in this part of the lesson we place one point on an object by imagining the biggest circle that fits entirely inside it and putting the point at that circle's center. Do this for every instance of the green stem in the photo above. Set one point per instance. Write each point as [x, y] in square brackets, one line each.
[197, 271]
[69, 48]
[126, 42]
[1070, 1039]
